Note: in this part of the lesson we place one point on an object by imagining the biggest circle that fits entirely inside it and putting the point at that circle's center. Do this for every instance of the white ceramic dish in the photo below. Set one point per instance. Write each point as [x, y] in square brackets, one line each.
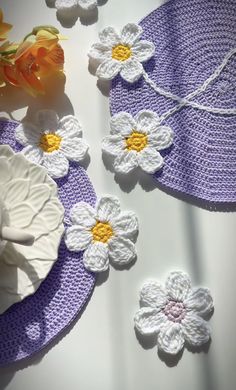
[30, 198]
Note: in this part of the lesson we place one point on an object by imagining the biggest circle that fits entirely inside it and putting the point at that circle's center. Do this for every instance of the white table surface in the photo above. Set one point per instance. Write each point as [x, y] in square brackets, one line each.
[102, 351]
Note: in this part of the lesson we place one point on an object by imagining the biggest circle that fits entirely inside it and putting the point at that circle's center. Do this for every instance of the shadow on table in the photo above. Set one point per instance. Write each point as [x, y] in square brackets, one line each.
[13, 99]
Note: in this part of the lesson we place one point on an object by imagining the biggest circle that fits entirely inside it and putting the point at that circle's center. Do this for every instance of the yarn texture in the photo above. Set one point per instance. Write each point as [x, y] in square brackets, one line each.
[190, 85]
[103, 232]
[121, 53]
[29, 326]
[51, 142]
[136, 142]
[175, 313]
[70, 6]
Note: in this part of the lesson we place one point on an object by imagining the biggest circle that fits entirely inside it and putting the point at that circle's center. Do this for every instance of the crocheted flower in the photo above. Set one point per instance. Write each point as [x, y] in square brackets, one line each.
[121, 53]
[103, 232]
[65, 5]
[175, 313]
[136, 142]
[53, 142]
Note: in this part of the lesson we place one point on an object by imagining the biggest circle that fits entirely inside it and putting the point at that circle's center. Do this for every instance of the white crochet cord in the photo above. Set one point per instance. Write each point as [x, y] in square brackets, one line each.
[175, 313]
[186, 101]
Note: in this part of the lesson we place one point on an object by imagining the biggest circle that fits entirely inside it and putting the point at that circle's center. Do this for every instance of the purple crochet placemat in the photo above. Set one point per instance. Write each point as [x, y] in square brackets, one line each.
[29, 326]
[191, 39]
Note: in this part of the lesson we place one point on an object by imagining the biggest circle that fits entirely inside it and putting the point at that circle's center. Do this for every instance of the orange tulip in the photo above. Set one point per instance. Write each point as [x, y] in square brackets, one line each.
[36, 57]
[4, 27]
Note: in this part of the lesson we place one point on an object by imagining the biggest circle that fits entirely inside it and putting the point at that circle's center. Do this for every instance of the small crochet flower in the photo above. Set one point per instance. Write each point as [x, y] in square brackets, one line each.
[53, 142]
[121, 53]
[103, 232]
[136, 142]
[174, 313]
[70, 5]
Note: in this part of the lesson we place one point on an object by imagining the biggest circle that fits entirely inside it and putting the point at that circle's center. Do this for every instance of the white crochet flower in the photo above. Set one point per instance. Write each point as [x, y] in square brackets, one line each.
[175, 313]
[52, 142]
[136, 142]
[70, 5]
[121, 53]
[103, 232]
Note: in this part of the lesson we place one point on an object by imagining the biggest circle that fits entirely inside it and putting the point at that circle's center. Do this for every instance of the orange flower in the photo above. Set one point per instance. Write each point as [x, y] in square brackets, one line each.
[4, 27]
[7, 47]
[37, 56]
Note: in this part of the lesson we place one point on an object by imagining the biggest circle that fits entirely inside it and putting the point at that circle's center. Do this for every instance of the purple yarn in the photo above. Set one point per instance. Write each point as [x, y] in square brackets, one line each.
[29, 326]
[191, 40]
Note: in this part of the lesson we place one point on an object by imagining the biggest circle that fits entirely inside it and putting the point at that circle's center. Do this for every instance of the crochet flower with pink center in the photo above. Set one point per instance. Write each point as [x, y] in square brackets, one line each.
[174, 313]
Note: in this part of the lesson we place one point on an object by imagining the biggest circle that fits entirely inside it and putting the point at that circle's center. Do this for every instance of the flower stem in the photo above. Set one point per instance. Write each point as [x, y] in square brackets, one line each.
[8, 52]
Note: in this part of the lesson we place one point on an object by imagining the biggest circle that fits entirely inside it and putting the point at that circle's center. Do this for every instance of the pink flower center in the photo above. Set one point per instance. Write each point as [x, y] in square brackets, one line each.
[175, 311]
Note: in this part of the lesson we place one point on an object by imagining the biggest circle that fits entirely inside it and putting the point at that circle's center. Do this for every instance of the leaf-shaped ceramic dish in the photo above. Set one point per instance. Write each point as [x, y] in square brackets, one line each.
[30, 197]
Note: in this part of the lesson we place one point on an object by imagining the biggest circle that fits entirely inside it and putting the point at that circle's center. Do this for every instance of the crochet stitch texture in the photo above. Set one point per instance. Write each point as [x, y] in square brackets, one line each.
[28, 327]
[191, 40]
[175, 313]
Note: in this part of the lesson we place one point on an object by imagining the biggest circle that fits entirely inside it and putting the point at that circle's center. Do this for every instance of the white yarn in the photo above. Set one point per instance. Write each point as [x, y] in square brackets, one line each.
[131, 69]
[70, 5]
[121, 53]
[104, 233]
[174, 313]
[187, 100]
[136, 142]
[69, 146]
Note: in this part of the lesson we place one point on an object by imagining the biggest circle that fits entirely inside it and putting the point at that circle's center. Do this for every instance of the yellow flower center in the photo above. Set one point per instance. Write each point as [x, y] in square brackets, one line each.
[50, 142]
[121, 52]
[102, 231]
[136, 141]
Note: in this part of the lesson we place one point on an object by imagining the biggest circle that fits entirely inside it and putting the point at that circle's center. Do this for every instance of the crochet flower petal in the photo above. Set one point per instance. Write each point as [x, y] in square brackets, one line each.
[96, 257]
[27, 133]
[83, 214]
[62, 5]
[147, 121]
[121, 250]
[131, 70]
[162, 139]
[74, 149]
[196, 331]
[130, 33]
[56, 164]
[200, 301]
[113, 144]
[170, 338]
[100, 52]
[69, 127]
[47, 120]
[148, 320]
[178, 285]
[87, 4]
[150, 160]
[108, 207]
[122, 123]
[77, 238]
[125, 225]
[108, 69]
[152, 294]
[33, 154]
[143, 50]
[126, 161]
[109, 37]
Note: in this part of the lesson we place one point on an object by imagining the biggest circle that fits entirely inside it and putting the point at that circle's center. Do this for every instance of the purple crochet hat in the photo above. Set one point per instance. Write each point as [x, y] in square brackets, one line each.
[29, 326]
[193, 41]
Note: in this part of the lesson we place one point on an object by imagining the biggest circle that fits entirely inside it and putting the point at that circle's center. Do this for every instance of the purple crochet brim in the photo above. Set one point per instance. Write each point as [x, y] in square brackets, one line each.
[191, 39]
[29, 326]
